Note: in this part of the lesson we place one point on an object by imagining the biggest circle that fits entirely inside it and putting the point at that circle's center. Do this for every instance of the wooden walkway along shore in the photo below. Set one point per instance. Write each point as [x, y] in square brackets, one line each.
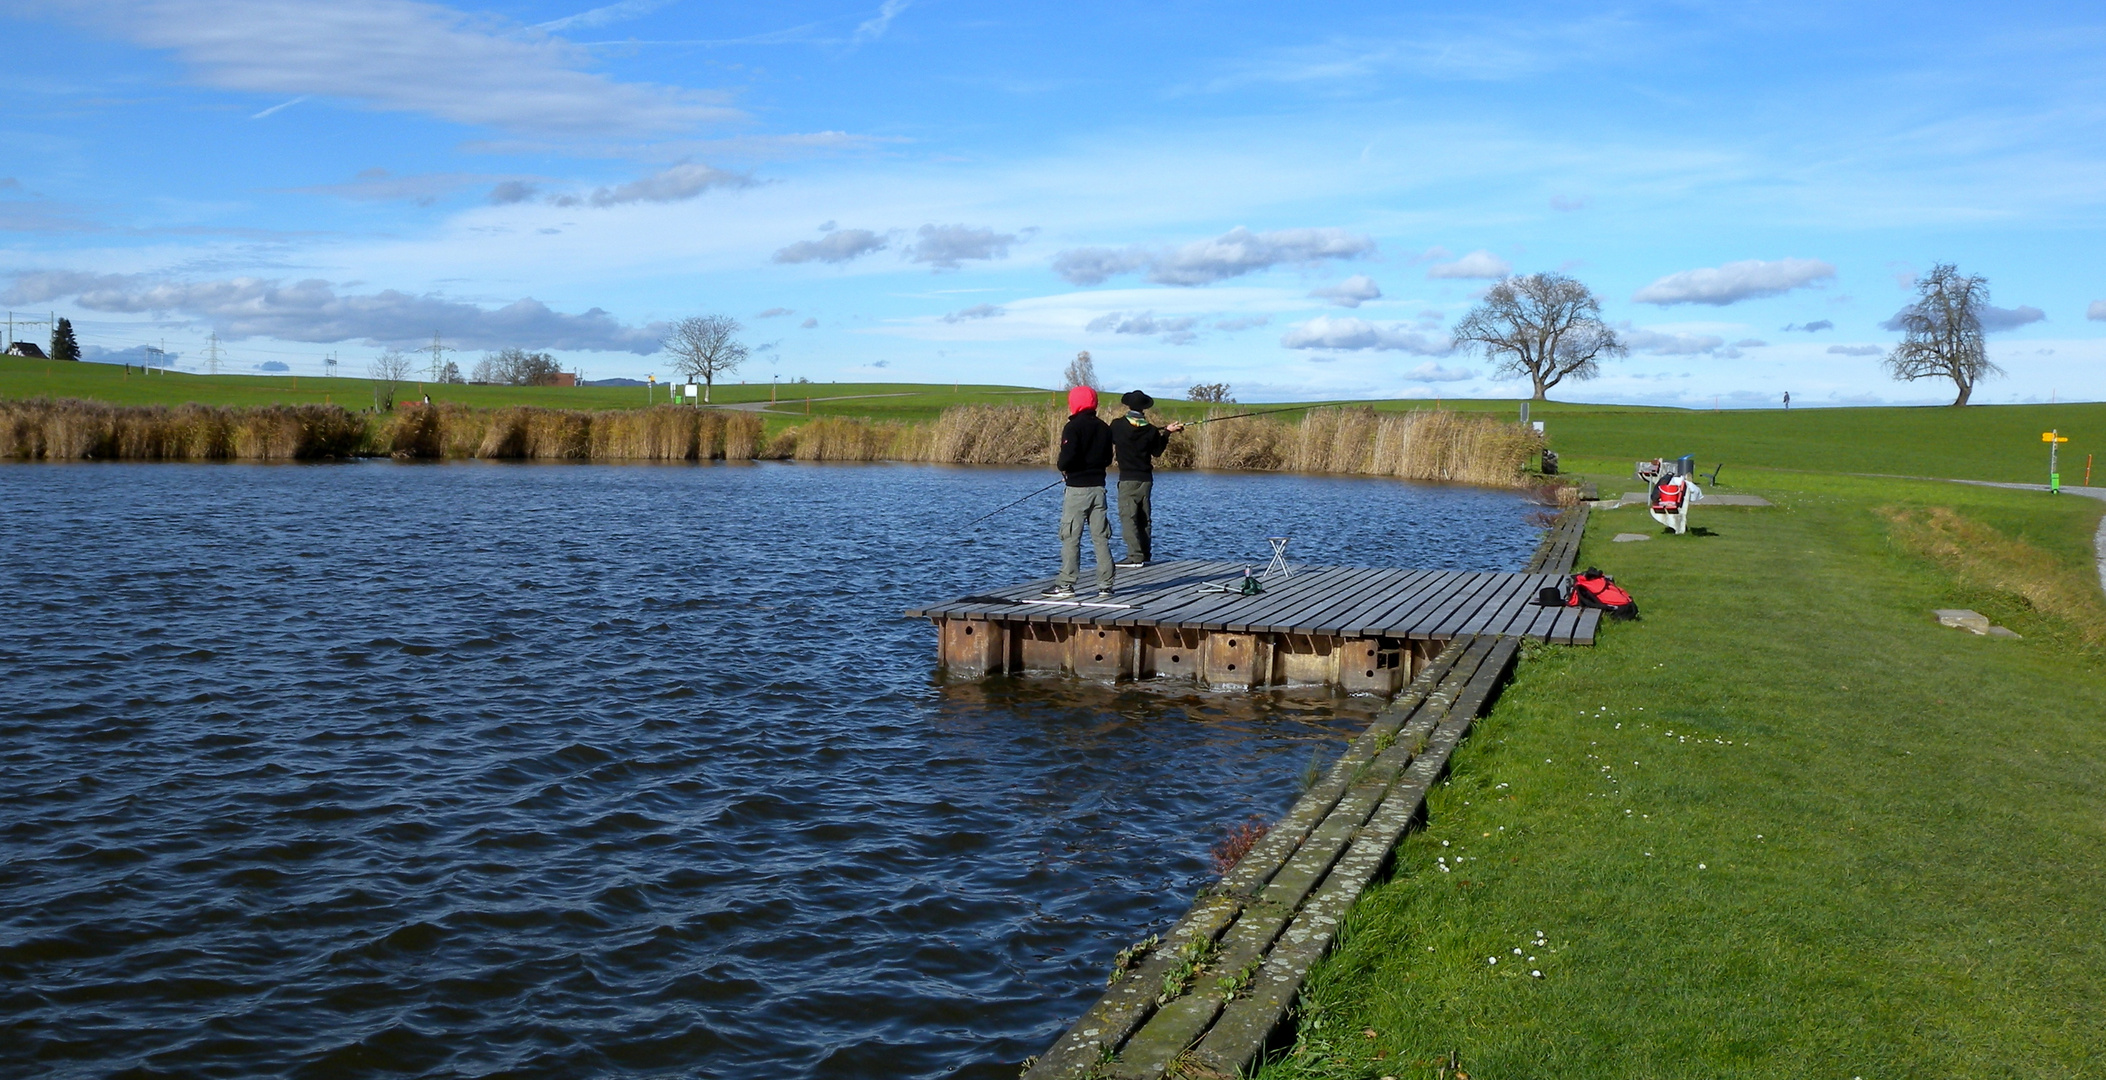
[1207, 997]
[1363, 629]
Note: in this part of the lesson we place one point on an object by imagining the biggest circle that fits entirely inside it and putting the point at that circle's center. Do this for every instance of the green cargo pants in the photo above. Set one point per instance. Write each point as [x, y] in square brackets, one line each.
[1137, 519]
[1079, 507]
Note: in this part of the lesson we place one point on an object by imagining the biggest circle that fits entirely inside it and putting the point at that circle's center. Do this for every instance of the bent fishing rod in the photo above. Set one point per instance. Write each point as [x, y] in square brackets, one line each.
[1260, 412]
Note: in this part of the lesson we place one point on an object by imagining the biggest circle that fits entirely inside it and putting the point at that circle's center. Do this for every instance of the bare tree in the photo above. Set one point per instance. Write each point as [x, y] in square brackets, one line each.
[389, 369]
[1082, 371]
[1216, 393]
[706, 346]
[1545, 326]
[1942, 331]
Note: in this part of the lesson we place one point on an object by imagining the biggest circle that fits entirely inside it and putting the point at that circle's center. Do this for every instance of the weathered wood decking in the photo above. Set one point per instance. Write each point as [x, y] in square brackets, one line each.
[1207, 997]
[1363, 628]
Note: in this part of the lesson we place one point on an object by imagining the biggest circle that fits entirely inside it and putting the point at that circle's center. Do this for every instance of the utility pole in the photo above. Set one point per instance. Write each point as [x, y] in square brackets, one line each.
[329, 364]
[438, 355]
[212, 353]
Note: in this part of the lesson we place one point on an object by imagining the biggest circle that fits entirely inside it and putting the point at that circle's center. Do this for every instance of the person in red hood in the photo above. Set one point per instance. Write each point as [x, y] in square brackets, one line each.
[1085, 452]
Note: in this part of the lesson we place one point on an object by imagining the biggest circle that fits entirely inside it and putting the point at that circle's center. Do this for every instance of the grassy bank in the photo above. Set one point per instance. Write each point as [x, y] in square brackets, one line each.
[22, 379]
[1785, 826]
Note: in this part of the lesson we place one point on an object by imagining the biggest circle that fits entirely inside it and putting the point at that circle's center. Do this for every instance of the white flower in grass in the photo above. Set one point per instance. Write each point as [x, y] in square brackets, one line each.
[1536, 974]
[1491, 959]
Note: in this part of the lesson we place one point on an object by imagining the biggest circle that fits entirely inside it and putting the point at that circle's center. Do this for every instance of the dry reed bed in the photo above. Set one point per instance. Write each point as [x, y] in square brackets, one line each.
[72, 430]
[1471, 448]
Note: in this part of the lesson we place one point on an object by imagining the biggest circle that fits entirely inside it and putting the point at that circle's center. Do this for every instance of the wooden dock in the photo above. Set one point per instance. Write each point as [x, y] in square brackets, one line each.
[1212, 994]
[1361, 628]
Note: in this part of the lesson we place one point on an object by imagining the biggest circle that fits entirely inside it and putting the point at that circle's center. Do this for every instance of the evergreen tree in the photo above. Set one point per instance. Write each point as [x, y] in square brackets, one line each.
[63, 345]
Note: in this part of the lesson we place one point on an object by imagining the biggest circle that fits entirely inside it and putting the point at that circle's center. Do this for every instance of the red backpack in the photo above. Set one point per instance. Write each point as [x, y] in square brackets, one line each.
[1594, 589]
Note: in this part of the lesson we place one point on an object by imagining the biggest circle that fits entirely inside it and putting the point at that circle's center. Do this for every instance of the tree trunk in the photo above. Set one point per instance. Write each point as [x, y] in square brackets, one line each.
[1542, 392]
[1966, 391]
[707, 382]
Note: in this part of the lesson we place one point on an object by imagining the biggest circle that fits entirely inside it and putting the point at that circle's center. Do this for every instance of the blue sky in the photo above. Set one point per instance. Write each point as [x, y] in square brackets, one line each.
[1297, 202]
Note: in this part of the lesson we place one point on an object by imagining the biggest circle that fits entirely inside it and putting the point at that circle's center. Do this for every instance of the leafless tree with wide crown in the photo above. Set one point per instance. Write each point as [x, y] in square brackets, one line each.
[705, 347]
[1942, 332]
[1545, 326]
[1082, 371]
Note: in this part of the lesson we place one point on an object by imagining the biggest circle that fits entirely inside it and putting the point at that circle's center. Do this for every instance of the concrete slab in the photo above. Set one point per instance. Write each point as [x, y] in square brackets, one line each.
[1627, 538]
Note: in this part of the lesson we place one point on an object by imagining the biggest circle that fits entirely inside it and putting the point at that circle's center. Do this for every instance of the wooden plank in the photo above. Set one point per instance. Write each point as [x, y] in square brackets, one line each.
[1343, 621]
[1423, 620]
[1283, 614]
[1518, 589]
[1328, 617]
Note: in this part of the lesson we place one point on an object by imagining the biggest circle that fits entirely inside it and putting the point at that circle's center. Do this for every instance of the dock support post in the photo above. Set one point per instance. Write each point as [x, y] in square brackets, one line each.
[1373, 665]
[1239, 660]
[972, 648]
[1101, 652]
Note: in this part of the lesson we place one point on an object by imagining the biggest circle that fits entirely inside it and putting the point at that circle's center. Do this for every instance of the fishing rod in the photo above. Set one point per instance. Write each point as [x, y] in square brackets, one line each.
[1261, 412]
[967, 527]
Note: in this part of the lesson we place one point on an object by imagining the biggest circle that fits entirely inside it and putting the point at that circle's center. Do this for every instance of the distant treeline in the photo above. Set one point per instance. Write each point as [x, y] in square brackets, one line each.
[1473, 448]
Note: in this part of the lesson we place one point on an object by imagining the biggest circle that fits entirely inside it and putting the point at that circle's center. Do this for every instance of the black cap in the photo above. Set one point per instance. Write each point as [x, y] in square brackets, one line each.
[1135, 399]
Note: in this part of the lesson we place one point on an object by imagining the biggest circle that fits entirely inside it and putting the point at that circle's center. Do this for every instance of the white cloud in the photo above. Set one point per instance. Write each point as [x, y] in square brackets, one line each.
[775, 313]
[1992, 318]
[1352, 292]
[1735, 281]
[1856, 350]
[397, 56]
[1177, 330]
[977, 311]
[1568, 205]
[314, 311]
[808, 324]
[1242, 322]
[1430, 372]
[601, 16]
[673, 185]
[874, 27]
[1203, 262]
[1327, 332]
[838, 245]
[945, 245]
[1996, 318]
[2097, 311]
[1670, 343]
[1477, 264]
[1813, 327]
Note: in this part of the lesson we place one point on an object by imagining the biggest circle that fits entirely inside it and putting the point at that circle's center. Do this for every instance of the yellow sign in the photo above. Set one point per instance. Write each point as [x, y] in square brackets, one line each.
[2049, 436]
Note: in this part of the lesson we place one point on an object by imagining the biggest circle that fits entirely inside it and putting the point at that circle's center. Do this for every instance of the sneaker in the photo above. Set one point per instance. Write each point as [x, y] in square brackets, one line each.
[1057, 592]
[1130, 563]
[1104, 594]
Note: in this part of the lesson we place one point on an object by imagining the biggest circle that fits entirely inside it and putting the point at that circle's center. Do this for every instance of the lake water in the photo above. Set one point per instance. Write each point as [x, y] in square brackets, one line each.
[375, 769]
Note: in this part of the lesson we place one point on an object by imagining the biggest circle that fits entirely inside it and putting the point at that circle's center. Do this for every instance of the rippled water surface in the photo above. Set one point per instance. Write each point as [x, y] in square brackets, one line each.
[472, 769]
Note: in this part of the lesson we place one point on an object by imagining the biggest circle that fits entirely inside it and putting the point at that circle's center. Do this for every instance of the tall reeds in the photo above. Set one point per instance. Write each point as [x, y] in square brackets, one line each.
[1472, 448]
[73, 430]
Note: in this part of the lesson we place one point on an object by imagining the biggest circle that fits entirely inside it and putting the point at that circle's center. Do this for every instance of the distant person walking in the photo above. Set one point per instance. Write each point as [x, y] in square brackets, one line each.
[1136, 444]
[1787, 401]
[1085, 452]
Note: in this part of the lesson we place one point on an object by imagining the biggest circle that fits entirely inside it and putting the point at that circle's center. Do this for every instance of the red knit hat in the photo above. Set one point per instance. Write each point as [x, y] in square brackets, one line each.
[1080, 398]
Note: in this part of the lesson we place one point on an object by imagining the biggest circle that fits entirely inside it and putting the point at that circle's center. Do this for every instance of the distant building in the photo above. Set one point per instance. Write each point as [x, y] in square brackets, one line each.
[562, 378]
[28, 349]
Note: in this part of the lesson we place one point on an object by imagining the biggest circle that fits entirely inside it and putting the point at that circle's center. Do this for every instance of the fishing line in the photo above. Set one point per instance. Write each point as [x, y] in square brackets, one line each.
[983, 517]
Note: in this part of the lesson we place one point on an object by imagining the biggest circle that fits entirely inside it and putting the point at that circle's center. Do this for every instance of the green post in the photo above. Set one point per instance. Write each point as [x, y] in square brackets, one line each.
[2054, 462]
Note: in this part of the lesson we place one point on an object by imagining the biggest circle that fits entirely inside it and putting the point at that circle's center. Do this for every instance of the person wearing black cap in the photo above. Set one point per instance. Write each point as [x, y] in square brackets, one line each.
[1136, 444]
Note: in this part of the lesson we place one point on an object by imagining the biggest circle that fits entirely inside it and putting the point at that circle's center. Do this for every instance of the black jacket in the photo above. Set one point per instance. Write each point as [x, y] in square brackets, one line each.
[1085, 449]
[1136, 447]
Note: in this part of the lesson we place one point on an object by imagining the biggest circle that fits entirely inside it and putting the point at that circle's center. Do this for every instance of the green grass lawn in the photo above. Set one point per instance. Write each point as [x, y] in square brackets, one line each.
[1787, 825]
[21, 378]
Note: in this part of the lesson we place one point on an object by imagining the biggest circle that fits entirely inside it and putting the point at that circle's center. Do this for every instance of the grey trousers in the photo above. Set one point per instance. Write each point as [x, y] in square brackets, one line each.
[1137, 518]
[1079, 507]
